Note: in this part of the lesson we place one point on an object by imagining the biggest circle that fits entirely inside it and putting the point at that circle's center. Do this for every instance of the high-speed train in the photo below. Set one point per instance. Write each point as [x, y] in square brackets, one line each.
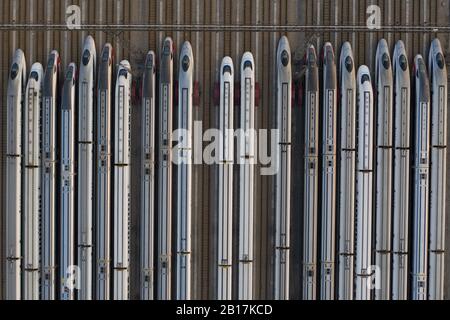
[147, 217]
[421, 185]
[438, 182]
[164, 261]
[384, 144]
[85, 174]
[184, 176]
[400, 213]
[329, 174]
[32, 171]
[364, 184]
[48, 177]
[283, 177]
[122, 180]
[103, 176]
[16, 88]
[347, 155]
[311, 166]
[225, 172]
[247, 176]
[67, 186]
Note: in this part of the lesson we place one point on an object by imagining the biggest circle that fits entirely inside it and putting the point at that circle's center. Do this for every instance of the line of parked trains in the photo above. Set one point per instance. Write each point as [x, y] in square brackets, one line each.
[72, 154]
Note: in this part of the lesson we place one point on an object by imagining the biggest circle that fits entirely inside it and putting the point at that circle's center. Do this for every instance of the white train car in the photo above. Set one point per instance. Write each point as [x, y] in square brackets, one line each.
[164, 262]
[364, 185]
[67, 186]
[48, 177]
[329, 174]
[384, 145]
[103, 175]
[86, 87]
[184, 176]
[147, 218]
[347, 154]
[122, 180]
[400, 213]
[14, 102]
[32, 188]
[247, 178]
[225, 172]
[283, 177]
[438, 175]
[420, 210]
[311, 188]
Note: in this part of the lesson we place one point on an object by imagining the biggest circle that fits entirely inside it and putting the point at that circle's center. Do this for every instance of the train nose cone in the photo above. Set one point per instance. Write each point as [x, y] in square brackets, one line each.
[14, 71]
[284, 58]
[386, 61]
[349, 64]
[440, 60]
[403, 62]
[86, 57]
[186, 62]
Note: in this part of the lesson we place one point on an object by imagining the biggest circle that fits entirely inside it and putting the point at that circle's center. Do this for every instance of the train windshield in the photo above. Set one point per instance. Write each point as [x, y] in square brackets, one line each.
[364, 78]
[14, 70]
[349, 64]
[34, 75]
[86, 57]
[403, 62]
[386, 61]
[123, 73]
[284, 58]
[105, 55]
[186, 63]
[440, 60]
[226, 69]
[248, 64]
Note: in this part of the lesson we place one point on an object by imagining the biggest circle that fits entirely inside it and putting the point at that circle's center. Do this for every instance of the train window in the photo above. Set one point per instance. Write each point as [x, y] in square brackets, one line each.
[248, 64]
[440, 60]
[364, 78]
[226, 69]
[51, 62]
[105, 55]
[349, 64]
[386, 61]
[186, 63]
[403, 62]
[14, 70]
[34, 75]
[69, 75]
[86, 57]
[123, 73]
[284, 58]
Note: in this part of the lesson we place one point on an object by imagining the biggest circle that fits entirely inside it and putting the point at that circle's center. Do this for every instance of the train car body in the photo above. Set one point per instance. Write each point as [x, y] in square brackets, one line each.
[438, 175]
[347, 154]
[311, 166]
[364, 185]
[122, 180]
[283, 176]
[164, 261]
[48, 177]
[329, 174]
[14, 104]
[225, 178]
[400, 214]
[86, 87]
[32, 188]
[384, 145]
[147, 218]
[67, 186]
[421, 186]
[103, 175]
[247, 178]
[184, 176]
